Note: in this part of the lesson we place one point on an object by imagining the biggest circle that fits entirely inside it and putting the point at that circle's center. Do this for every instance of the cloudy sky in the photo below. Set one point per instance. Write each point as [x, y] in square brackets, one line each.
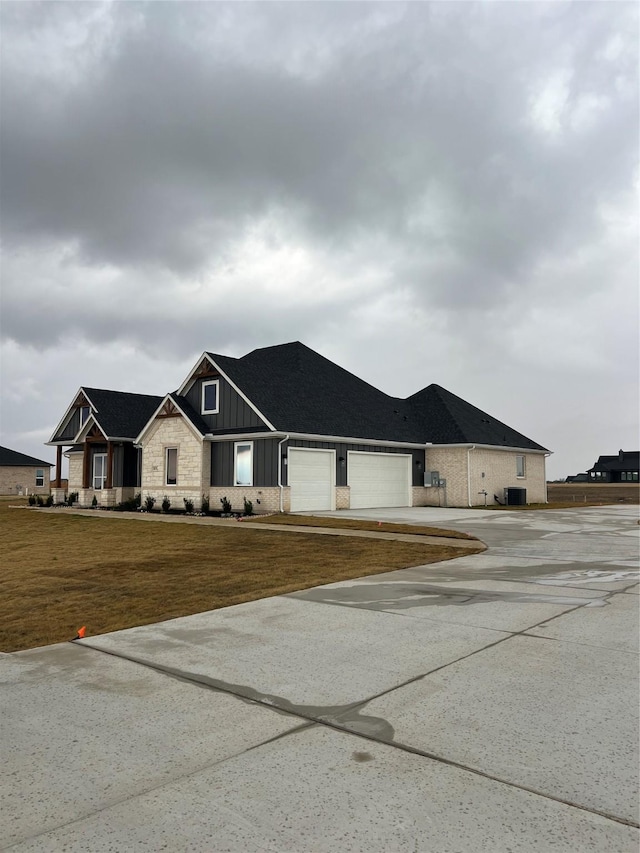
[425, 192]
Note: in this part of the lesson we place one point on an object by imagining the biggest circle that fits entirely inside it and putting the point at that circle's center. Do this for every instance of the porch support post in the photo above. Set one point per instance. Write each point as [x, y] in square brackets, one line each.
[109, 477]
[58, 466]
[85, 465]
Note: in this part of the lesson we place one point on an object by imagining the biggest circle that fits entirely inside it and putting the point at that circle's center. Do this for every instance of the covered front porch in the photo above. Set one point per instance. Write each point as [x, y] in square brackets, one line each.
[104, 470]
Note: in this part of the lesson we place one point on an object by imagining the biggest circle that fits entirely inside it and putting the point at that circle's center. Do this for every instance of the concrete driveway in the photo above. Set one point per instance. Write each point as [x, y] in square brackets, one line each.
[488, 703]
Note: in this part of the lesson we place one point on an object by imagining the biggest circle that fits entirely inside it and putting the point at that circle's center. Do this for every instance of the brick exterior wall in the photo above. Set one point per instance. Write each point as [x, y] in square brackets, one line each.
[499, 467]
[343, 497]
[193, 468]
[451, 462]
[12, 476]
[269, 497]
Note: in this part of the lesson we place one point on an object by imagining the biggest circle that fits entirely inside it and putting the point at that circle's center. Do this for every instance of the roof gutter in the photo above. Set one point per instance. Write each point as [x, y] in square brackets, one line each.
[280, 484]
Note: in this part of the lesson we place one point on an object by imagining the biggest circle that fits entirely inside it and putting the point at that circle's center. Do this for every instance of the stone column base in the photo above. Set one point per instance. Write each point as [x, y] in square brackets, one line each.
[58, 496]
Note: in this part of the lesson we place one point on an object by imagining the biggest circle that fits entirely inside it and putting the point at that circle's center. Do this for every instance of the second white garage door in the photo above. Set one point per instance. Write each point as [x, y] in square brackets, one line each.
[378, 479]
[312, 479]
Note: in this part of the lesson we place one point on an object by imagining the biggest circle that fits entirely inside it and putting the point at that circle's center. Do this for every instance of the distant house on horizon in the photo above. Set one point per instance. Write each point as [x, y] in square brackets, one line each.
[621, 468]
[23, 475]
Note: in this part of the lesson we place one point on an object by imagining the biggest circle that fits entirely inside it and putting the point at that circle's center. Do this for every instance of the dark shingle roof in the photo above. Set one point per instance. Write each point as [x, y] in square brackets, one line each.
[298, 390]
[191, 413]
[449, 419]
[13, 457]
[625, 460]
[121, 414]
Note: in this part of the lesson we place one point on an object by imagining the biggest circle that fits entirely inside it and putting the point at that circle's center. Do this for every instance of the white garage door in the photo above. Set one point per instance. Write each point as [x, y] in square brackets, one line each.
[378, 479]
[312, 478]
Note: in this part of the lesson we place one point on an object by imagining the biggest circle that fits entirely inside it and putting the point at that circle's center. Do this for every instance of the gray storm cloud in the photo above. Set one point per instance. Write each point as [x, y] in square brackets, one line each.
[244, 174]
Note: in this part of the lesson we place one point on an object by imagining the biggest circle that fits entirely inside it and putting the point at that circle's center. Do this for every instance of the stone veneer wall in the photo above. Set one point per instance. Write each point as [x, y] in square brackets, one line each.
[75, 471]
[194, 457]
[24, 476]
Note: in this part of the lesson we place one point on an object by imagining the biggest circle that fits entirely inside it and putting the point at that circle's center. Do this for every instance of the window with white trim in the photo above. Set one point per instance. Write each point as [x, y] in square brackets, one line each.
[243, 463]
[171, 466]
[520, 466]
[210, 403]
[85, 411]
[99, 471]
[39, 476]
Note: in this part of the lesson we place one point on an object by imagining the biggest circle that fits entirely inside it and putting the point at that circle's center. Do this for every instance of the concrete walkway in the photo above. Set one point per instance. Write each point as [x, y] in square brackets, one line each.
[209, 521]
[488, 703]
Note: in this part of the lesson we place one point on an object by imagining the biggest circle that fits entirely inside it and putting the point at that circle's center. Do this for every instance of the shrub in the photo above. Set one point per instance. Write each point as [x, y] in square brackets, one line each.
[130, 505]
[166, 504]
[73, 497]
[32, 500]
[137, 500]
[149, 503]
[248, 507]
[226, 505]
[49, 500]
[94, 502]
[188, 505]
[39, 501]
[205, 505]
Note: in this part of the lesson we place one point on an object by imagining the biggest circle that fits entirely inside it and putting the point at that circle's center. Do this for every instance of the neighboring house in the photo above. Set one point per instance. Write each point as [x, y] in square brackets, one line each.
[622, 468]
[290, 430]
[23, 475]
[578, 478]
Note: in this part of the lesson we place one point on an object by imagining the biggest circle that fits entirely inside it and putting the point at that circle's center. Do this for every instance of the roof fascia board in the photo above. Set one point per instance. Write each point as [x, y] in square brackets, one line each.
[304, 436]
[188, 382]
[491, 447]
[149, 423]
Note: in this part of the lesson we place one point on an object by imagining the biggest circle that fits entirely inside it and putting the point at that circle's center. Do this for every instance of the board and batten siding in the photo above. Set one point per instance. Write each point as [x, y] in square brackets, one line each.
[342, 448]
[265, 462]
[233, 412]
[69, 430]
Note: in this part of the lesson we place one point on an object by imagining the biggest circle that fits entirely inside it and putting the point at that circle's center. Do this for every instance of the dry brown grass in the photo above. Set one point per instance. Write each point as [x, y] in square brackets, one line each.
[361, 524]
[60, 571]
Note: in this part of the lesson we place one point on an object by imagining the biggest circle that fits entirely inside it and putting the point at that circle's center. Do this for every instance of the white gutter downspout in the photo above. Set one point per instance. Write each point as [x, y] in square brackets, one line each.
[280, 443]
[469, 473]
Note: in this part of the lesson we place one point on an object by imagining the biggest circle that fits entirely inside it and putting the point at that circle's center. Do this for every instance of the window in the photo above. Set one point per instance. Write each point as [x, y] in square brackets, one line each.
[99, 470]
[171, 466]
[520, 466]
[243, 463]
[210, 398]
[623, 476]
[39, 477]
[84, 414]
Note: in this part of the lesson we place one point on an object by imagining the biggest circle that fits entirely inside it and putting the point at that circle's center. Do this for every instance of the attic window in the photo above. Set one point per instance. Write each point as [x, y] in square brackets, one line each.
[84, 414]
[210, 402]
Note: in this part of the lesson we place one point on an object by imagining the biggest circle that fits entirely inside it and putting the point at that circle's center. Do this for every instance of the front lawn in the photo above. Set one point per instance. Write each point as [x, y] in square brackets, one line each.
[60, 571]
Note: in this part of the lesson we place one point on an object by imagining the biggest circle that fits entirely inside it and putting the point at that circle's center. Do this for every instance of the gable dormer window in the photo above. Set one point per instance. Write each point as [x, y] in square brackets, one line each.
[210, 397]
[84, 414]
